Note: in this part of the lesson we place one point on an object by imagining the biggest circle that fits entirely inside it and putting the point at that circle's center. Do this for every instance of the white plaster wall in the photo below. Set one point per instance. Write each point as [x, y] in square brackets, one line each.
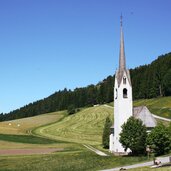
[111, 143]
[122, 110]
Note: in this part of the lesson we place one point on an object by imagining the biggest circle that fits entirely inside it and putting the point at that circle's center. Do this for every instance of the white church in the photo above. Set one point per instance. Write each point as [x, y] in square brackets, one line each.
[123, 104]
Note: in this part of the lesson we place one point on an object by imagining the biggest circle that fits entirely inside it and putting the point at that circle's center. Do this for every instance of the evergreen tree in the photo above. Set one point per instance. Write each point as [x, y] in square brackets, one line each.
[106, 133]
[167, 83]
[133, 136]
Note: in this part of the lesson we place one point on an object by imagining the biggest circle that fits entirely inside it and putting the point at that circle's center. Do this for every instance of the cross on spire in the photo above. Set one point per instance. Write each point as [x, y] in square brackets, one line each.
[121, 17]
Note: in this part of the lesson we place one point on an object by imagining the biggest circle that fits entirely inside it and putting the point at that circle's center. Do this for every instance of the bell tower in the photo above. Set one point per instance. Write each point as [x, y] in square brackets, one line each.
[122, 98]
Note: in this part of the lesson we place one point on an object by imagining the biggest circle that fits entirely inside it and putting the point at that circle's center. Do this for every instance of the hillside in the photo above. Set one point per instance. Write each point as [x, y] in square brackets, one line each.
[149, 81]
[67, 133]
[85, 126]
[160, 106]
[17, 133]
[23, 126]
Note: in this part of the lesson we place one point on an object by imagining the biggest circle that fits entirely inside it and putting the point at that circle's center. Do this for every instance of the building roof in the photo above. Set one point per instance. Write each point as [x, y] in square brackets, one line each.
[142, 113]
[145, 116]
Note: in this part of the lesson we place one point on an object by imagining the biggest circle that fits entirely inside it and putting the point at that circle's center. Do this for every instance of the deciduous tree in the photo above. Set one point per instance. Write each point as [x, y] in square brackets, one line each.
[160, 139]
[133, 136]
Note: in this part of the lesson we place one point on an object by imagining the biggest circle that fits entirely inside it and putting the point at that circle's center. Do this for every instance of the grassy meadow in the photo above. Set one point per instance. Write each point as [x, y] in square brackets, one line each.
[58, 130]
[65, 161]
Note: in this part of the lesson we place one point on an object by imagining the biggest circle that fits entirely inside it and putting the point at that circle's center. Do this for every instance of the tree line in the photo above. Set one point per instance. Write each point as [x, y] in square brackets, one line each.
[148, 81]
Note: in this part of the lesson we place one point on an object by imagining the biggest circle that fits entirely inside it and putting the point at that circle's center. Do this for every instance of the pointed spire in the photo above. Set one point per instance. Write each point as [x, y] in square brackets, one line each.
[122, 62]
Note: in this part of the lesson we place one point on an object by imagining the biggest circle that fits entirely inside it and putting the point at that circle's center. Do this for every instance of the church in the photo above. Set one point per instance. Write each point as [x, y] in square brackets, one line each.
[123, 102]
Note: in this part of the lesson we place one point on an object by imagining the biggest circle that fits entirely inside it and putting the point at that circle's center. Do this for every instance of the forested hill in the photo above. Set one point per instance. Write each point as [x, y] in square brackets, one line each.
[148, 81]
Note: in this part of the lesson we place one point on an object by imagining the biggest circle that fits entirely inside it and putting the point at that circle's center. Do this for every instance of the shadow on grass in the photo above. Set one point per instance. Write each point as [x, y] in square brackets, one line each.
[29, 139]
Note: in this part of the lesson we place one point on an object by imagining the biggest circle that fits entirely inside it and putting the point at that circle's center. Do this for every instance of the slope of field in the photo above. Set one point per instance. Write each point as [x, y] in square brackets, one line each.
[15, 134]
[160, 106]
[85, 126]
[23, 126]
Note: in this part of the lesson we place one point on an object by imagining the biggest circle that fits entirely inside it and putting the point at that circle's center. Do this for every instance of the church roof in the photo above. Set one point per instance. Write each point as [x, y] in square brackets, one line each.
[142, 113]
[145, 115]
[119, 75]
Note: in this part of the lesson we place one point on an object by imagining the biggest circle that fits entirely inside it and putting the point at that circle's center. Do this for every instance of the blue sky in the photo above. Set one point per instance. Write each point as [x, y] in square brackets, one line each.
[47, 45]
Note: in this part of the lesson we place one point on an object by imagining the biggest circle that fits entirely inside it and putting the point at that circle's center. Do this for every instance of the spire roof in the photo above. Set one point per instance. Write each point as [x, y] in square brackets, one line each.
[122, 62]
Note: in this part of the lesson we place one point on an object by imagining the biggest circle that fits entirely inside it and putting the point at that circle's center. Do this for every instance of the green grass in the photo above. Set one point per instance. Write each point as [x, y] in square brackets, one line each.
[159, 106]
[84, 127]
[29, 139]
[154, 169]
[65, 161]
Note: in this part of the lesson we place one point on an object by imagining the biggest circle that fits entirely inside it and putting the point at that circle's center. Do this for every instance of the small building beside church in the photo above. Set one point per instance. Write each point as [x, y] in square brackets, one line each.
[123, 103]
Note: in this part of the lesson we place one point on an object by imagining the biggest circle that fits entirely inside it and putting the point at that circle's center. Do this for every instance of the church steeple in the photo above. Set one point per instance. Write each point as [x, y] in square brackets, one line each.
[122, 99]
[122, 62]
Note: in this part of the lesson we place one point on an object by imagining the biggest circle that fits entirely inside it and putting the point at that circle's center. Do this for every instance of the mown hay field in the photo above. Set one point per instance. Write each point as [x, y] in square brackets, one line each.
[85, 126]
[23, 126]
[16, 134]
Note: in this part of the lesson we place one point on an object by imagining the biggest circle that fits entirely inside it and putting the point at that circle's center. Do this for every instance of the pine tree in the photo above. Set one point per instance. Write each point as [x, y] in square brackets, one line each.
[167, 83]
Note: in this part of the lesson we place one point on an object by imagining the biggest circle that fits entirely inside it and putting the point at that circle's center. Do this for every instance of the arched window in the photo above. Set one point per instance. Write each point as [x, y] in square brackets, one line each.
[124, 80]
[116, 95]
[125, 93]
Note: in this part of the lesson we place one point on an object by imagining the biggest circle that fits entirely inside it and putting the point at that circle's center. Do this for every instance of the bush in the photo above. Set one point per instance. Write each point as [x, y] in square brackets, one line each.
[71, 110]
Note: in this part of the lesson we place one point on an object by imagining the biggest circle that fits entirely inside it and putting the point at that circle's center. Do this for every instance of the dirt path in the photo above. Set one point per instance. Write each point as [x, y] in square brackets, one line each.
[108, 106]
[100, 153]
[161, 118]
[29, 151]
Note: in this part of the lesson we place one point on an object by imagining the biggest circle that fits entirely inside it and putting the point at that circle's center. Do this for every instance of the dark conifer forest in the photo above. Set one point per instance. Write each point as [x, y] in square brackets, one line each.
[148, 81]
